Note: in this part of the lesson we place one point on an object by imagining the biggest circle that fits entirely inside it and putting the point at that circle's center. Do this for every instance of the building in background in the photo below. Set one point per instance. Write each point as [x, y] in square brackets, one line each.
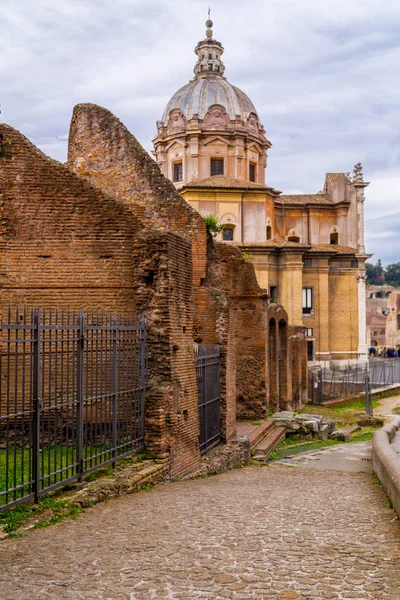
[383, 316]
[308, 249]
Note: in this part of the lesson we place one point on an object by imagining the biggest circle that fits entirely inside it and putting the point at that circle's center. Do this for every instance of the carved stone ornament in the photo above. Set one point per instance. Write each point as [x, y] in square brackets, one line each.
[252, 124]
[216, 118]
[177, 121]
[358, 176]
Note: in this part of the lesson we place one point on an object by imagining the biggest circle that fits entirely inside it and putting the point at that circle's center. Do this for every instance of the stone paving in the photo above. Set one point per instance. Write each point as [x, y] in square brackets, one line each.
[343, 457]
[255, 533]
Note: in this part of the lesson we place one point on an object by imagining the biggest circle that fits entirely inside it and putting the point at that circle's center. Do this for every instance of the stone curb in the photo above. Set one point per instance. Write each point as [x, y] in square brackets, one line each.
[386, 462]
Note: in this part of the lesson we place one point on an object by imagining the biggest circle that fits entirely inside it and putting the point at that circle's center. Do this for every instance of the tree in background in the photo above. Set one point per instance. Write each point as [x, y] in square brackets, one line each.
[378, 275]
[392, 275]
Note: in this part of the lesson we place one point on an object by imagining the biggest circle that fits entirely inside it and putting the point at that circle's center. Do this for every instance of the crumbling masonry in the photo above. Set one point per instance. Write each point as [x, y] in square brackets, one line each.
[110, 232]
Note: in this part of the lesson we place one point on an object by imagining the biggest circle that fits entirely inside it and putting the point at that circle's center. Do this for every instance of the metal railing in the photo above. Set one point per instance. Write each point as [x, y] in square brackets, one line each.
[72, 388]
[336, 383]
[208, 383]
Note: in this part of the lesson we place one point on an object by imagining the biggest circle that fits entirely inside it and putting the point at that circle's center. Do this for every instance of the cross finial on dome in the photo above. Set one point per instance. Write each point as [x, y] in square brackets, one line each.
[209, 24]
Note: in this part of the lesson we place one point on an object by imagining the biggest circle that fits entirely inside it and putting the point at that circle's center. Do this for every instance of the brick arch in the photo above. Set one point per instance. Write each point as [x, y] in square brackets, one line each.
[279, 376]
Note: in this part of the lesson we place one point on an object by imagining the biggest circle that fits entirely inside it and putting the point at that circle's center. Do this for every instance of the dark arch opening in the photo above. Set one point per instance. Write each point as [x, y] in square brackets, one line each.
[272, 365]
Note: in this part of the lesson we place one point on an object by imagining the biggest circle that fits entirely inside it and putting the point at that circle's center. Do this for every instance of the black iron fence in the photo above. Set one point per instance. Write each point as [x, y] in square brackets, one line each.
[336, 383]
[72, 388]
[208, 381]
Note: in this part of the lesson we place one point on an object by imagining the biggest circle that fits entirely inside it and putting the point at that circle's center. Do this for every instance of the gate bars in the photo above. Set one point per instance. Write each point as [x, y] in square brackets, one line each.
[208, 382]
[72, 388]
[336, 383]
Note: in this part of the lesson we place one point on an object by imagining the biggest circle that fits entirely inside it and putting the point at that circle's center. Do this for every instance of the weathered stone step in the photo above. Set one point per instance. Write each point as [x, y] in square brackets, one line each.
[260, 432]
[270, 442]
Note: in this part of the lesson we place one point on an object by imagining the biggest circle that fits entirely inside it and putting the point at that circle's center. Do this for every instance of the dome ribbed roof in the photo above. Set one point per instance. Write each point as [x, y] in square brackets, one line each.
[198, 95]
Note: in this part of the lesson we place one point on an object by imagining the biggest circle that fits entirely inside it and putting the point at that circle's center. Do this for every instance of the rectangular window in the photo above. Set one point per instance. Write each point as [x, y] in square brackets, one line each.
[227, 234]
[310, 350]
[252, 172]
[309, 332]
[307, 301]
[307, 262]
[273, 293]
[178, 171]
[217, 166]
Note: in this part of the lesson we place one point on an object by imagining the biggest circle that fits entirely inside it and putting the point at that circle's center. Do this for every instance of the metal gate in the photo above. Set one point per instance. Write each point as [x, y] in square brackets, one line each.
[208, 381]
[72, 388]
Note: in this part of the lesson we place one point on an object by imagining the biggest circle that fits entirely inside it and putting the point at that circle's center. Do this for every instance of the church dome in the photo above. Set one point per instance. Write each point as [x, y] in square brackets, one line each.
[210, 127]
[209, 87]
[196, 97]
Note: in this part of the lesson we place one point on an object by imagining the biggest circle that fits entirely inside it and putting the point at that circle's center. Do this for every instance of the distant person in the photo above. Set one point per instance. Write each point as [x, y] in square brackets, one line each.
[380, 353]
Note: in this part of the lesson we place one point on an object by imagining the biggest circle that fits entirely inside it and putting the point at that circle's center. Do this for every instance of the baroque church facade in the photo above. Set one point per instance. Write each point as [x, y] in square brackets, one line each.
[307, 249]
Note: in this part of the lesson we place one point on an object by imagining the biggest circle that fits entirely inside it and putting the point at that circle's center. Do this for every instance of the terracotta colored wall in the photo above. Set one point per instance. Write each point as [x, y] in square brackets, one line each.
[102, 150]
[65, 244]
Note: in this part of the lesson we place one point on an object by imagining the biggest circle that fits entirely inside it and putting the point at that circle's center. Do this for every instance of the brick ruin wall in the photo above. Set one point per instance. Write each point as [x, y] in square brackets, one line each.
[65, 244]
[102, 150]
[227, 268]
[121, 263]
[298, 366]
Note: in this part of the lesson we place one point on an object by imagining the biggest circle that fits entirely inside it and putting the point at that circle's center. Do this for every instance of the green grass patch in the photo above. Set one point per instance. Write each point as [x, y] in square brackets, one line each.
[283, 452]
[16, 469]
[344, 414]
[11, 519]
[57, 510]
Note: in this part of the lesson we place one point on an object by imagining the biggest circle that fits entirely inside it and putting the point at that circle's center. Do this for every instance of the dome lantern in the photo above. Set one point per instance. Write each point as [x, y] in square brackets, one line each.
[209, 53]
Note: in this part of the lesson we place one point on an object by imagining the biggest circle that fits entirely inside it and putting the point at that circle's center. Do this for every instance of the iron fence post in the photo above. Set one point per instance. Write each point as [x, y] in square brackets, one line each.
[36, 406]
[79, 394]
[368, 396]
[114, 389]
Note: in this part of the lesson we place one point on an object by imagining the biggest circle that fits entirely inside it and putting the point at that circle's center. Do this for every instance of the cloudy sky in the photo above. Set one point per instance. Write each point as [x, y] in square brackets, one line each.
[324, 77]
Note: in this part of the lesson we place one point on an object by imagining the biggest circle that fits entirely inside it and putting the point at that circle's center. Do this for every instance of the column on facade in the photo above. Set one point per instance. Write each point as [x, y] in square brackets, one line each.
[291, 285]
[362, 315]
[322, 300]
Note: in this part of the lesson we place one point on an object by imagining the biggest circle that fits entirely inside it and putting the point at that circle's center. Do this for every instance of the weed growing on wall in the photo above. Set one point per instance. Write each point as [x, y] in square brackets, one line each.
[213, 224]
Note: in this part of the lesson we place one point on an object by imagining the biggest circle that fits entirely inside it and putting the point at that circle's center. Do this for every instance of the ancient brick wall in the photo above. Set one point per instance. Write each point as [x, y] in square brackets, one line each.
[102, 150]
[298, 366]
[65, 244]
[244, 327]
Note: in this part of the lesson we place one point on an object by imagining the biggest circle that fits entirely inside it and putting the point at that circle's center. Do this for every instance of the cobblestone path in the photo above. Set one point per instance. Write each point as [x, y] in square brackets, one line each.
[255, 533]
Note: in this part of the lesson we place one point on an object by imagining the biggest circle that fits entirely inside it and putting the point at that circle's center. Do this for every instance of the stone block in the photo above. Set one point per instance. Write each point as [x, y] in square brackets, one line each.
[241, 440]
[284, 414]
[331, 425]
[366, 421]
[306, 417]
[339, 435]
[324, 431]
[310, 426]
